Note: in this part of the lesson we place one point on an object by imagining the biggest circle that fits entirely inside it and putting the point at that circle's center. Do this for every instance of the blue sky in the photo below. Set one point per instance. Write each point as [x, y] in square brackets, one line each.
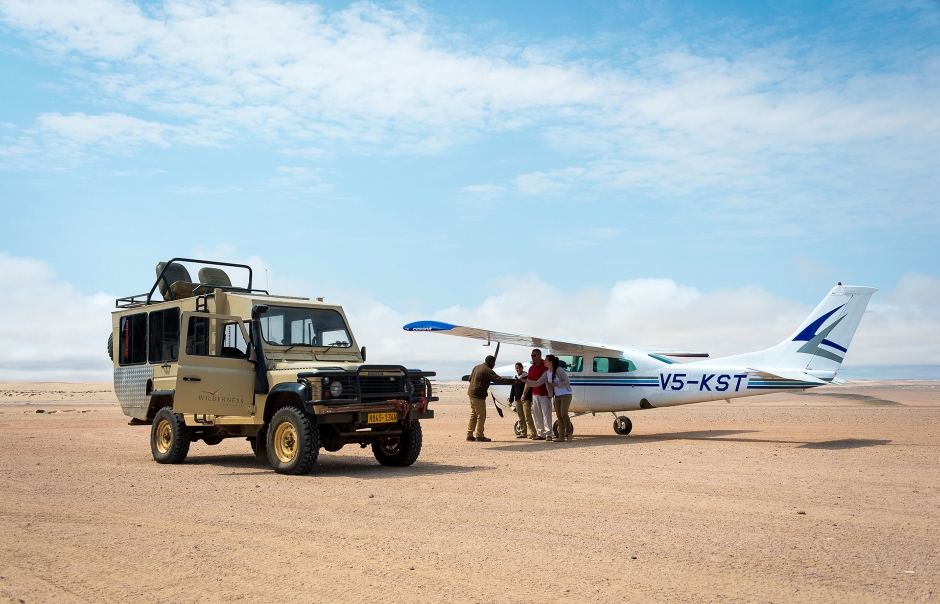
[422, 156]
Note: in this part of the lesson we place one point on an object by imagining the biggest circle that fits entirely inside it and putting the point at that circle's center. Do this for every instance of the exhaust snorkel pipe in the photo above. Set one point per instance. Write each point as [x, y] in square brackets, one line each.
[261, 371]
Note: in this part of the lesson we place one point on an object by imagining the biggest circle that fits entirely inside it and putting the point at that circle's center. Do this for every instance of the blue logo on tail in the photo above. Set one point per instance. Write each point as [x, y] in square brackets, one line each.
[814, 340]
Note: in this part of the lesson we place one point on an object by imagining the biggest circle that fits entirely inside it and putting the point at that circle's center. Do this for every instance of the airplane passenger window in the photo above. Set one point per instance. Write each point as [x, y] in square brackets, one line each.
[571, 364]
[613, 365]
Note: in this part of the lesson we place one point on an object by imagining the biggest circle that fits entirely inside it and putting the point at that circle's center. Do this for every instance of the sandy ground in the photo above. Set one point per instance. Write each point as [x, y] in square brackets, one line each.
[797, 498]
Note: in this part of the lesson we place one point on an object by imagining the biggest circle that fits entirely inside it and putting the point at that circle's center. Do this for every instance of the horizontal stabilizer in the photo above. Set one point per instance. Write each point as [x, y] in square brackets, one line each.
[787, 374]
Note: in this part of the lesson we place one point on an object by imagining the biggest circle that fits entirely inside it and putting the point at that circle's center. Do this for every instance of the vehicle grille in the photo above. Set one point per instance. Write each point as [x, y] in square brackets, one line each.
[379, 386]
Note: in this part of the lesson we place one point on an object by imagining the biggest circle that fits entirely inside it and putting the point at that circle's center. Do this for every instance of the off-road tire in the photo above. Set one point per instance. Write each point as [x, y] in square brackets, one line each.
[623, 425]
[293, 441]
[404, 452]
[111, 346]
[169, 437]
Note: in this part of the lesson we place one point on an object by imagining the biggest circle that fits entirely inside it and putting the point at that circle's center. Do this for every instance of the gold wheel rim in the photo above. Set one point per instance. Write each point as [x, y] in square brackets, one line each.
[285, 442]
[164, 436]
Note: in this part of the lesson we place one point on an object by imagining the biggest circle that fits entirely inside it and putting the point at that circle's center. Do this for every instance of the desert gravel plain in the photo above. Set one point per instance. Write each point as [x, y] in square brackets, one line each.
[832, 496]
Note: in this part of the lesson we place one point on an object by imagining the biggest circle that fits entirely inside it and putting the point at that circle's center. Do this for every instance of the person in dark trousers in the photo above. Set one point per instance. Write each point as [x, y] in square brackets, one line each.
[480, 379]
[523, 404]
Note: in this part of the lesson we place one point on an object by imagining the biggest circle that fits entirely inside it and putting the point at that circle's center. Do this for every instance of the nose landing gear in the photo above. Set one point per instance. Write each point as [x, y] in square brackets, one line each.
[623, 425]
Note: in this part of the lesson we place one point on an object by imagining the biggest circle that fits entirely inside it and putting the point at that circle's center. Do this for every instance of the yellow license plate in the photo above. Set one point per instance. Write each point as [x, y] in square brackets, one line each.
[383, 418]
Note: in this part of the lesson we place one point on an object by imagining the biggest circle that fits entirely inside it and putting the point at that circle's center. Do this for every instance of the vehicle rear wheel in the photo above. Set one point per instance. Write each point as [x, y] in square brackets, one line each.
[293, 441]
[623, 425]
[111, 346]
[517, 428]
[169, 437]
[401, 451]
[555, 428]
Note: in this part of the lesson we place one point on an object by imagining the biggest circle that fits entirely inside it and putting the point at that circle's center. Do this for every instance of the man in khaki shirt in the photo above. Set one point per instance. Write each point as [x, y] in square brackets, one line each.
[480, 379]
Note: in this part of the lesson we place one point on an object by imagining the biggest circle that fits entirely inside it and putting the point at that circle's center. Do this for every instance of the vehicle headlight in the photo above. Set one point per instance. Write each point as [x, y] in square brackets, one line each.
[336, 389]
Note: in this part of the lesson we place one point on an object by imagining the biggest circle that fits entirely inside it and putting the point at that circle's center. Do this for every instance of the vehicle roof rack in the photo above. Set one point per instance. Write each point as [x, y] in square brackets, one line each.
[205, 288]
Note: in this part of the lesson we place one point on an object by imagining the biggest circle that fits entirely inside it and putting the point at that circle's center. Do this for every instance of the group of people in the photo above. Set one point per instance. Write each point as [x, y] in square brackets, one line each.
[533, 393]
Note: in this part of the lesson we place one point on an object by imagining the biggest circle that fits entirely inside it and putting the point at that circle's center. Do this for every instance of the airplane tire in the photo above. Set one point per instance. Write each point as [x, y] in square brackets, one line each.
[517, 428]
[623, 425]
[555, 429]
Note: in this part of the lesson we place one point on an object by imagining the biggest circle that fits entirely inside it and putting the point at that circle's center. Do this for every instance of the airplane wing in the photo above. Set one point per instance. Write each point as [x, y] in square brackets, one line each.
[553, 344]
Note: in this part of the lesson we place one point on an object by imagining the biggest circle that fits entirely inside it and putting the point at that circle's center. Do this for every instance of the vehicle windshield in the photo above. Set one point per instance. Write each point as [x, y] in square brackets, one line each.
[288, 326]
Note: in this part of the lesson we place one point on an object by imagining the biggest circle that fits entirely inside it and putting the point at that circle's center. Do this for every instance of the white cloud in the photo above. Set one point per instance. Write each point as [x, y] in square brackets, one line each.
[50, 331]
[775, 123]
[556, 182]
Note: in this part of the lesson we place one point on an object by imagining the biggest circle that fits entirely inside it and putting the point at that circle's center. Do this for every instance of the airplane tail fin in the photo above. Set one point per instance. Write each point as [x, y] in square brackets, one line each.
[820, 343]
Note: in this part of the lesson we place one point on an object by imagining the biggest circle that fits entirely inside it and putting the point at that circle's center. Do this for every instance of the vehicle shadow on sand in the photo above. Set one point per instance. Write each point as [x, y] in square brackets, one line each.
[580, 442]
[333, 465]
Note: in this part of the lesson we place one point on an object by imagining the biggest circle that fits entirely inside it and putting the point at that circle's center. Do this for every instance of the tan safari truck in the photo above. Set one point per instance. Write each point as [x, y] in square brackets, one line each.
[212, 361]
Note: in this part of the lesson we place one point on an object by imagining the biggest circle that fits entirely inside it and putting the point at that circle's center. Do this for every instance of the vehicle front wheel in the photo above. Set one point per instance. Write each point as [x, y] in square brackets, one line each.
[293, 441]
[623, 425]
[401, 451]
[169, 437]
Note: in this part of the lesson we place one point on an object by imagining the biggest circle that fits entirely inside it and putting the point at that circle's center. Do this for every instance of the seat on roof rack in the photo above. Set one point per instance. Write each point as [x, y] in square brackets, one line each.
[178, 277]
[214, 276]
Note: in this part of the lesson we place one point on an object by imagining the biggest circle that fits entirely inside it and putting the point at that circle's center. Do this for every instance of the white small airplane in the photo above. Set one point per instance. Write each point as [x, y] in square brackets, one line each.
[613, 379]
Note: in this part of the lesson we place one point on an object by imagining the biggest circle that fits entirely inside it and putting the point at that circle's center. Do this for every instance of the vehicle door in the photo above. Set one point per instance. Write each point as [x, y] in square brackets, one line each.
[215, 376]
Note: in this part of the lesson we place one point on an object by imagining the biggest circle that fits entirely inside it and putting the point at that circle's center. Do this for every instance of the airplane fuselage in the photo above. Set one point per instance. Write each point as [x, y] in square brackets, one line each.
[667, 385]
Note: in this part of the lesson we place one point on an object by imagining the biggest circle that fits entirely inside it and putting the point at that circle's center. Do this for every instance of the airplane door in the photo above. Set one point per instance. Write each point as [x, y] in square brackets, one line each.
[611, 382]
[214, 376]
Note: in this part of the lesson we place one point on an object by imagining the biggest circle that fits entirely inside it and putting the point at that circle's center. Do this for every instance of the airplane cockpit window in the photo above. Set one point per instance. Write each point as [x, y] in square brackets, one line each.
[571, 364]
[613, 365]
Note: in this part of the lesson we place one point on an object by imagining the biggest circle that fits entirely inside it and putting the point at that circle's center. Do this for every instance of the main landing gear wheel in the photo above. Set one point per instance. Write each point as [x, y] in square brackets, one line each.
[623, 425]
[293, 442]
[169, 437]
[517, 428]
[402, 451]
[570, 425]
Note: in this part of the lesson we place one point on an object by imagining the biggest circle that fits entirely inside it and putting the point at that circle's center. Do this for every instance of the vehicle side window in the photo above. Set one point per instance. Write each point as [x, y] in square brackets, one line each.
[571, 364]
[233, 342]
[165, 335]
[613, 365]
[209, 337]
[197, 336]
[132, 348]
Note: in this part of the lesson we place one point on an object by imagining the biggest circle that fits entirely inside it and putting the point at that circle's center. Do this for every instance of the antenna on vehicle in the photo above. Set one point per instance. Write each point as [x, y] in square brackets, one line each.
[267, 286]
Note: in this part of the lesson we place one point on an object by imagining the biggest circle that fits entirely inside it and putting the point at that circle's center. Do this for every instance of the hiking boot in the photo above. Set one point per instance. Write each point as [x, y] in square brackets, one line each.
[483, 439]
[470, 438]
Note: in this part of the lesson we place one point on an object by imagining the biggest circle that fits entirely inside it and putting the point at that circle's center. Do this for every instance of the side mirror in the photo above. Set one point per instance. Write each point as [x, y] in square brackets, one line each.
[363, 353]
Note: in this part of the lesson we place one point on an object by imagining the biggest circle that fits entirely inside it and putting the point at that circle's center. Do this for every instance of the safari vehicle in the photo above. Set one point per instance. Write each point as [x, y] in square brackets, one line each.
[212, 361]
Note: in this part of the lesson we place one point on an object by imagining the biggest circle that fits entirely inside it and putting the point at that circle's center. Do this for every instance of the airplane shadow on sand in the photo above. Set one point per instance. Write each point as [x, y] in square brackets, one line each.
[845, 443]
[335, 465]
[698, 435]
